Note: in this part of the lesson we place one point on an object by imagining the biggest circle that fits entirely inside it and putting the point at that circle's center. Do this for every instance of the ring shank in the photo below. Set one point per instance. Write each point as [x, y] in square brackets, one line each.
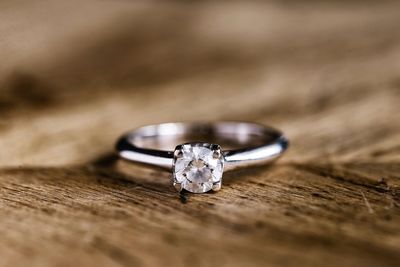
[259, 144]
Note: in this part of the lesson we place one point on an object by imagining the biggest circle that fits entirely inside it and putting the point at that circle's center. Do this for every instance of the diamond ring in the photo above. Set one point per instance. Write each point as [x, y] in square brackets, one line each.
[198, 162]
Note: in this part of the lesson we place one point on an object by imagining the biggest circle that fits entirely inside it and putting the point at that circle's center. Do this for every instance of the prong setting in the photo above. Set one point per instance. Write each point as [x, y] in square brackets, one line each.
[178, 186]
[198, 167]
[178, 153]
[217, 153]
[217, 186]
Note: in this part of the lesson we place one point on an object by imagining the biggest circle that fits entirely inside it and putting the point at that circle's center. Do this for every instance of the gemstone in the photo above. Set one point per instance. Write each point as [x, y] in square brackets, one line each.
[198, 167]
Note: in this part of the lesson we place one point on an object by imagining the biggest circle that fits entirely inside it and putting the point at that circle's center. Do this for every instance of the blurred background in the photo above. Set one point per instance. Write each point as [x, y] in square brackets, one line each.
[74, 75]
[327, 70]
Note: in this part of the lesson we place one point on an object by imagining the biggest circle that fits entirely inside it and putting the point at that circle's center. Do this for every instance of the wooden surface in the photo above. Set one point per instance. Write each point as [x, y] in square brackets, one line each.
[74, 75]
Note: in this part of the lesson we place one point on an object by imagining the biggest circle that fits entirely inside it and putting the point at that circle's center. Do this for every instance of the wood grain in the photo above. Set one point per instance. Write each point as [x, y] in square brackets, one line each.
[73, 77]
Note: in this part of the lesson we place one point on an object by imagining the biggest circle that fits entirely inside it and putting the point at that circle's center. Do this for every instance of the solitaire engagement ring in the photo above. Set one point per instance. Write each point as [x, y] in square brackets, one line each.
[198, 162]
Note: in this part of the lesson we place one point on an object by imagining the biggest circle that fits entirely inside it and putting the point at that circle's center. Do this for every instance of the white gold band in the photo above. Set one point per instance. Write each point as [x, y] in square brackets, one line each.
[258, 144]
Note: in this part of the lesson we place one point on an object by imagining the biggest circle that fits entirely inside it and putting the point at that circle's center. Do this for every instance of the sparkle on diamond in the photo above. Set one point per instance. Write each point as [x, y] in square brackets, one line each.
[197, 170]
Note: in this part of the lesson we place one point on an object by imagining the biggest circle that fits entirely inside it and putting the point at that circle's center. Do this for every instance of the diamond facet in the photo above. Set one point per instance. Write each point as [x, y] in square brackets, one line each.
[198, 167]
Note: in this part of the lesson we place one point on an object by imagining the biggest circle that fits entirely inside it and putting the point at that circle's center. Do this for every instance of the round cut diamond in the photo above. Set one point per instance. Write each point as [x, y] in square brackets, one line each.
[197, 167]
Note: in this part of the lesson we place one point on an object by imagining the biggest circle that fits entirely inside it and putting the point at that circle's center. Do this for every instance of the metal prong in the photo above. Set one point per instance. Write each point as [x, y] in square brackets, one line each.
[217, 154]
[178, 153]
[178, 186]
[217, 186]
[217, 151]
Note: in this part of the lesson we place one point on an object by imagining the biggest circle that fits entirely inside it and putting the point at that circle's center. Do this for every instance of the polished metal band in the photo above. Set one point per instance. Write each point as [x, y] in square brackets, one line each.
[256, 144]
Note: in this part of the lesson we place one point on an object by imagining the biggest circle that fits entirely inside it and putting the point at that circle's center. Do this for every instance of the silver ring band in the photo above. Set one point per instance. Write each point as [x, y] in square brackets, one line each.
[254, 144]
